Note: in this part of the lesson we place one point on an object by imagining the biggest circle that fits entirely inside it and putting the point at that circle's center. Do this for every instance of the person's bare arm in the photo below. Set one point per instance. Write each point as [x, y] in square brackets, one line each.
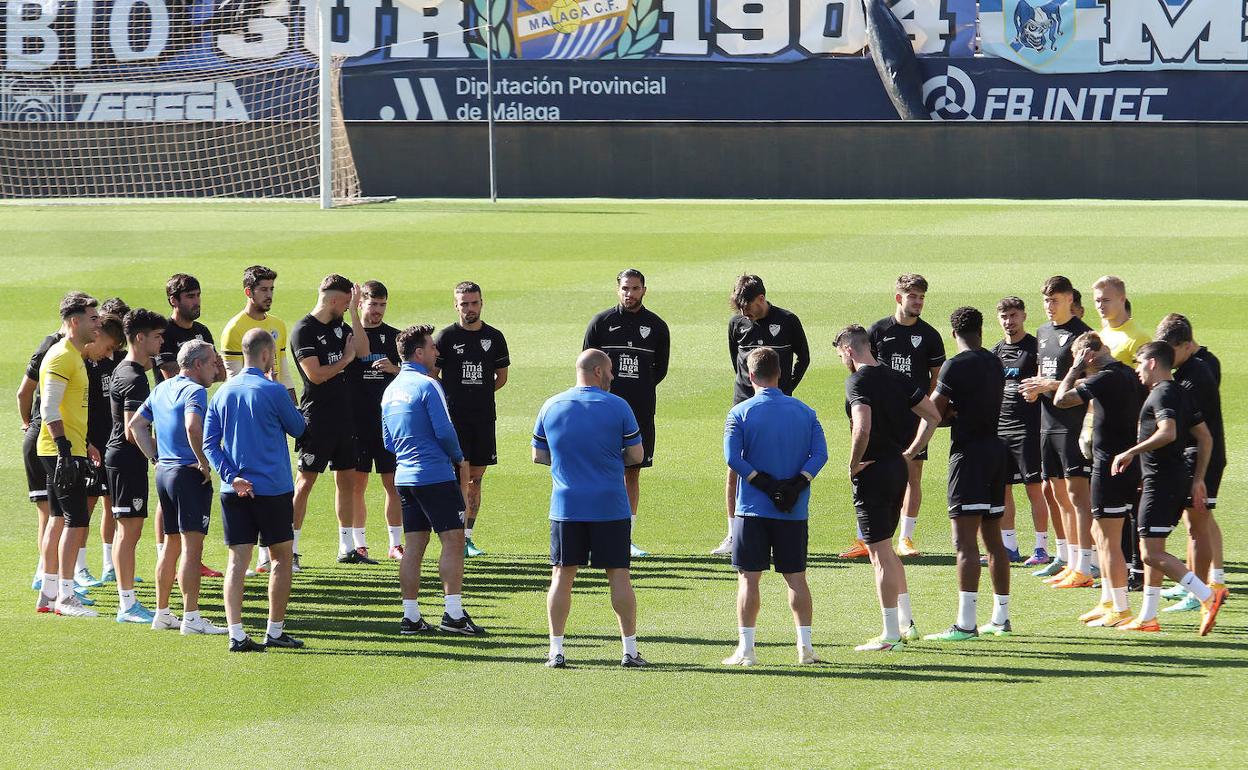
[195, 434]
[26, 400]
[929, 421]
[860, 435]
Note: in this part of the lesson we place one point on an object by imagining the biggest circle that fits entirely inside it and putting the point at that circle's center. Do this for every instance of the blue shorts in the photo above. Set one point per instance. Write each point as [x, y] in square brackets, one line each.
[758, 542]
[598, 544]
[438, 507]
[185, 500]
[269, 518]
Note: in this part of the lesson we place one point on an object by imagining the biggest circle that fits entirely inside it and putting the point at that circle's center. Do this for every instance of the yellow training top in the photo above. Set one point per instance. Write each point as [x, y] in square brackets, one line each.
[63, 364]
[1124, 341]
[232, 344]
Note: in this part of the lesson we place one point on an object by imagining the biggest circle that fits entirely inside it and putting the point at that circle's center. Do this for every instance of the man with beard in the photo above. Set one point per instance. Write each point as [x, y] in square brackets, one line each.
[639, 345]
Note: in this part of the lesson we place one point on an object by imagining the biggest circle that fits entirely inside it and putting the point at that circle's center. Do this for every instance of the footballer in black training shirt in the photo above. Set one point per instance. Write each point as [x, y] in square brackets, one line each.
[368, 377]
[183, 293]
[639, 346]
[969, 390]
[907, 344]
[472, 361]
[323, 346]
[1061, 459]
[1167, 418]
[1019, 428]
[759, 324]
[1112, 389]
[102, 356]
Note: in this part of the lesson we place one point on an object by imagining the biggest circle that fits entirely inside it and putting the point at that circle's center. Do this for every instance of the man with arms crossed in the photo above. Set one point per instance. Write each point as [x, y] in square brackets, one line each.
[587, 436]
[124, 461]
[175, 410]
[907, 344]
[1019, 428]
[1062, 463]
[1114, 392]
[245, 434]
[64, 453]
[323, 346]
[416, 427]
[968, 393]
[1166, 419]
[369, 375]
[879, 402]
[639, 345]
[473, 362]
[758, 323]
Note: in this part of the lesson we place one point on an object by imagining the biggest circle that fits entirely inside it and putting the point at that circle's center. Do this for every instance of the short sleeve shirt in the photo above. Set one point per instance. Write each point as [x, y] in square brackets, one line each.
[64, 363]
[367, 383]
[1115, 393]
[1054, 343]
[468, 360]
[167, 408]
[327, 343]
[128, 392]
[891, 396]
[1167, 401]
[1018, 417]
[175, 338]
[973, 381]
[911, 350]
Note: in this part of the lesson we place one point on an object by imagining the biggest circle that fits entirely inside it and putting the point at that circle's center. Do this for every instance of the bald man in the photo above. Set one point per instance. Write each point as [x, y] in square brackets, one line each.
[587, 436]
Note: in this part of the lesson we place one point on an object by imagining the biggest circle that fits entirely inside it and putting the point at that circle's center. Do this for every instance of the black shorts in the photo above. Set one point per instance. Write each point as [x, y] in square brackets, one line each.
[977, 478]
[1022, 458]
[476, 438]
[878, 492]
[269, 518]
[597, 544]
[759, 542]
[1213, 479]
[36, 475]
[327, 443]
[1114, 497]
[70, 504]
[438, 507]
[1161, 505]
[1061, 457]
[185, 500]
[912, 431]
[97, 482]
[371, 453]
[128, 480]
[645, 421]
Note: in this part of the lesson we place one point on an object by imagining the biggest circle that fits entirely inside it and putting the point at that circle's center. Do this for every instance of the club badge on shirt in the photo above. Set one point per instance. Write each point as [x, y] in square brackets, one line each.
[774, 329]
[485, 344]
[645, 331]
[915, 339]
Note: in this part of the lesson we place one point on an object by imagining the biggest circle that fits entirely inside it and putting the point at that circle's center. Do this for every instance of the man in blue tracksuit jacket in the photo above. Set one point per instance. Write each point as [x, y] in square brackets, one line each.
[245, 433]
[431, 479]
[775, 443]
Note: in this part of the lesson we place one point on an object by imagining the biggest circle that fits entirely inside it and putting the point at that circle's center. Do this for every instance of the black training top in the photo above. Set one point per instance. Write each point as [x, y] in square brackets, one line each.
[912, 350]
[1115, 394]
[973, 381]
[1018, 416]
[327, 343]
[1168, 400]
[175, 338]
[891, 396]
[779, 330]
[468, 361]
[639, 345]
[1054, 343]
[368, 384]
[127, 392]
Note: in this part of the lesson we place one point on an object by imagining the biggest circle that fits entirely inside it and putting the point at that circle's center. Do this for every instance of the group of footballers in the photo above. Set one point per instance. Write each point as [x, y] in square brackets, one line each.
[418, 408]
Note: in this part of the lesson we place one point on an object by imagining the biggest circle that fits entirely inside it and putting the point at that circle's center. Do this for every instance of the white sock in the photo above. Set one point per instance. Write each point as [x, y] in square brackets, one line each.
[1107, 593]
[1196, 586]
[966, 609]
[1120, 599]
[892, 629]
[1217, 575]
[108, 557]
[1094, 559]
[396, 535]
[556, 646]
[275, 628]
[237, 633]
[745, 640]
[262, 556]
[411, 609]
[1010, 538]
[160, 548]
[190, 616]
[468, 532]
[630, 645]
[803, 637]
[296, 545]
[858, 532]
[1063, 550]
[1152, 598]
[357, 537]
[66, 590]
[455, 606]
[1042, 540]
[163, 612]
[1000, 609]
[51, 582]
[907, 526]
[905, 618]
[633, 525]
[82, 560]
[344, 540]
[127, 598]
[1085, 561]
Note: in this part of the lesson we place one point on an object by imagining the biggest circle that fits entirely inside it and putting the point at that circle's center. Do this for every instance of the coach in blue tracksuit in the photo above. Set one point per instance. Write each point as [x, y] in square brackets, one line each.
[245, 433]
[774, 442]
[416, 427]
[587, 435]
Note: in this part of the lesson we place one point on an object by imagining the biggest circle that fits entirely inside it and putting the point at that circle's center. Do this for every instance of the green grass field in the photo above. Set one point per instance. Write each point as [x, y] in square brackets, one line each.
[91, 693]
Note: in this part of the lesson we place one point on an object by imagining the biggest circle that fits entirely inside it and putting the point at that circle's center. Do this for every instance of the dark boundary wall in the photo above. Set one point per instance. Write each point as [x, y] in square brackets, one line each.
[806, 160]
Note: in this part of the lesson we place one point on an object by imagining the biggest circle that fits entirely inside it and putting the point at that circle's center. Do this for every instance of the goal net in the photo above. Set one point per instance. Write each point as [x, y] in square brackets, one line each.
[159, 99]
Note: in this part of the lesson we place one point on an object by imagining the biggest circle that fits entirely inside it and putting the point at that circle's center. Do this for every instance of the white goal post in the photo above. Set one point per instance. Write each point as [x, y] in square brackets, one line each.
[171, 99]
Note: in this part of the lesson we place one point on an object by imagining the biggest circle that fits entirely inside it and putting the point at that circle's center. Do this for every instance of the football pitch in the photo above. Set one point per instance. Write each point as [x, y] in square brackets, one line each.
[93, 693]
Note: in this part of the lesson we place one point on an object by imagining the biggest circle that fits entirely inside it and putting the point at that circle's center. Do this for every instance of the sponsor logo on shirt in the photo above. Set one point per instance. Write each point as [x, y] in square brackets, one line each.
[471, 373]
[612, 328]
[899, 363]
[630, 367]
